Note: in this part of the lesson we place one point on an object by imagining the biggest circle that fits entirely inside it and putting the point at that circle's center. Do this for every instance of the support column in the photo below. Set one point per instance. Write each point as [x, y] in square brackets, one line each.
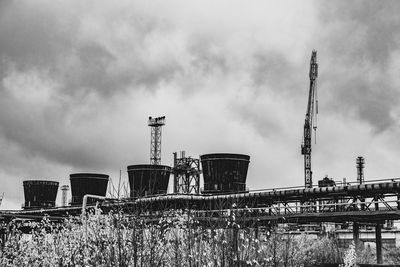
[356, 234]
[398, 201]
[378, 240]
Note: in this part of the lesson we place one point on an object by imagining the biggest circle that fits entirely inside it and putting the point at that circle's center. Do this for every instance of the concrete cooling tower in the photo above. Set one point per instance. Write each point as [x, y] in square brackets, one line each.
[224, 172]
[40, 194]
[87, 183]
[147, 180]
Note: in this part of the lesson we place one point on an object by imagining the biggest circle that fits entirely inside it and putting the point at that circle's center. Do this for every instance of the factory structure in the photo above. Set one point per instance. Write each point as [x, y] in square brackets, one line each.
[224, 180]
[223, 173]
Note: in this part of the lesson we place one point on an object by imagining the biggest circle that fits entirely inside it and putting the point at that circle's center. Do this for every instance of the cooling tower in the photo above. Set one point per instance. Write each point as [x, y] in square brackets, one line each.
[40, 194]
[147, 180]
[87, 183]
[224, 173]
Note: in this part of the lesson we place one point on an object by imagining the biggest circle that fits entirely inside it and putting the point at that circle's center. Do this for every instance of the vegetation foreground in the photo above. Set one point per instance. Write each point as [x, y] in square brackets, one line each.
[118, 239]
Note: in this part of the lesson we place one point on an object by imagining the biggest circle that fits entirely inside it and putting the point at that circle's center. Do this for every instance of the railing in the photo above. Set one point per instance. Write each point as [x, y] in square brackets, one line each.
[302, 209]
[338, 183]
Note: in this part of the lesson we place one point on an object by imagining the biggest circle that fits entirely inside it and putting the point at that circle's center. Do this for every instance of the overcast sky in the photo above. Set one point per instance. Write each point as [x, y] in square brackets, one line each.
[79, 79]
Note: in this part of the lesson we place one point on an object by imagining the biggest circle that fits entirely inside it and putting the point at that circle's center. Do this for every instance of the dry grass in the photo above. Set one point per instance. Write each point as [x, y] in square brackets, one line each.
[118, 239]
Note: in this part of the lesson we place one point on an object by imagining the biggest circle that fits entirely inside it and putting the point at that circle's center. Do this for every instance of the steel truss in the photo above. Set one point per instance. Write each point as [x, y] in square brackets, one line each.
[375, 201]
[186, 175]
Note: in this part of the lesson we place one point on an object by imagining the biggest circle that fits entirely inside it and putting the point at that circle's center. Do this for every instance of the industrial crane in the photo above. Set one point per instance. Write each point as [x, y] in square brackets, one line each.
[309, 121]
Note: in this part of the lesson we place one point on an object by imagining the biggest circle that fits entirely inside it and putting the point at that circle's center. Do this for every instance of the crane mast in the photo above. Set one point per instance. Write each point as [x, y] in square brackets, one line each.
[309, 120]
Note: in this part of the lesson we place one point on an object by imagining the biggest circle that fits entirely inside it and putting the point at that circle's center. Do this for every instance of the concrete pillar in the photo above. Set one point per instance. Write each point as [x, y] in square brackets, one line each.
[378, 238]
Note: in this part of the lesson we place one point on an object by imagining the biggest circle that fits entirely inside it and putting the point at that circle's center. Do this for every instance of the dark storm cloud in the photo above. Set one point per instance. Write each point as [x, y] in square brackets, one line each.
[90, 70]
[41, 130]
[271, 70]
[78, 79]
[374, 24]
[360, 39]
[43, 37]
[58, 74]
[372, 100]
[31, 37]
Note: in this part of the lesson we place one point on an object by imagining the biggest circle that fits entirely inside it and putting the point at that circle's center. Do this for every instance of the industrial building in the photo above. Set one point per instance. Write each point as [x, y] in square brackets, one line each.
[225, 191]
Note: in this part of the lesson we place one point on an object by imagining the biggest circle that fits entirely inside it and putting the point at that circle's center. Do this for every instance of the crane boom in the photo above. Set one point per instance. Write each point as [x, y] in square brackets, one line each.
[309, 120]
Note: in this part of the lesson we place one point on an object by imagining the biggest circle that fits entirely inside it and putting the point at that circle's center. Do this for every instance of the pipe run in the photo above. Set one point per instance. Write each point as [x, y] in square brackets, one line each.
[85, 198]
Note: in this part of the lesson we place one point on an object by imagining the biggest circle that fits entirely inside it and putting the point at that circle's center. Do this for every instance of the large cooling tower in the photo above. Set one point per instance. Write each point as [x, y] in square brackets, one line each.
[224, 173]
[147, 180]
[87, 183]
[40, 194]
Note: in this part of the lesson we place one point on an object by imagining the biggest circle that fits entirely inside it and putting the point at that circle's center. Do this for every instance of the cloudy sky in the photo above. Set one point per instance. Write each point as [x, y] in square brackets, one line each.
[78, 80]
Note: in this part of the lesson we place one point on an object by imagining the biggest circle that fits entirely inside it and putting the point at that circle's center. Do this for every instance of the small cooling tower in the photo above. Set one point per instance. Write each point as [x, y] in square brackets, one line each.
[147, 179]
[40, 194]
[224, 173]
[87, 183]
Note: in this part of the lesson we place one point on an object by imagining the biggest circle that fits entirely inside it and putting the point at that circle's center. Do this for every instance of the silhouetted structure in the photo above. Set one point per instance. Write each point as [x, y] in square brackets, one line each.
[147, 180]
[155, 141]
[325, 182]
[360, 163]
[186, 174]
[310, 120]
[224, 173]
[87, 183]
[40, 194]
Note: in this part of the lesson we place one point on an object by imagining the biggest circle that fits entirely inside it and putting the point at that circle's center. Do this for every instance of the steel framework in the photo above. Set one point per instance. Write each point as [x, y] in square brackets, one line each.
[186, 174]
[375, 201]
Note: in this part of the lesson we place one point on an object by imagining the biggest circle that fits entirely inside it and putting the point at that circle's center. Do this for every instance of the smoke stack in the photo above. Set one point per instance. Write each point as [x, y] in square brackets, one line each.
[360, 162]
[64, 195]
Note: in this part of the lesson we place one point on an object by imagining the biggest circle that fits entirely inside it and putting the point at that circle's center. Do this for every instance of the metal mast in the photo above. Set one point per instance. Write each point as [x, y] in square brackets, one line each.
[309, 120]
[155, 142]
